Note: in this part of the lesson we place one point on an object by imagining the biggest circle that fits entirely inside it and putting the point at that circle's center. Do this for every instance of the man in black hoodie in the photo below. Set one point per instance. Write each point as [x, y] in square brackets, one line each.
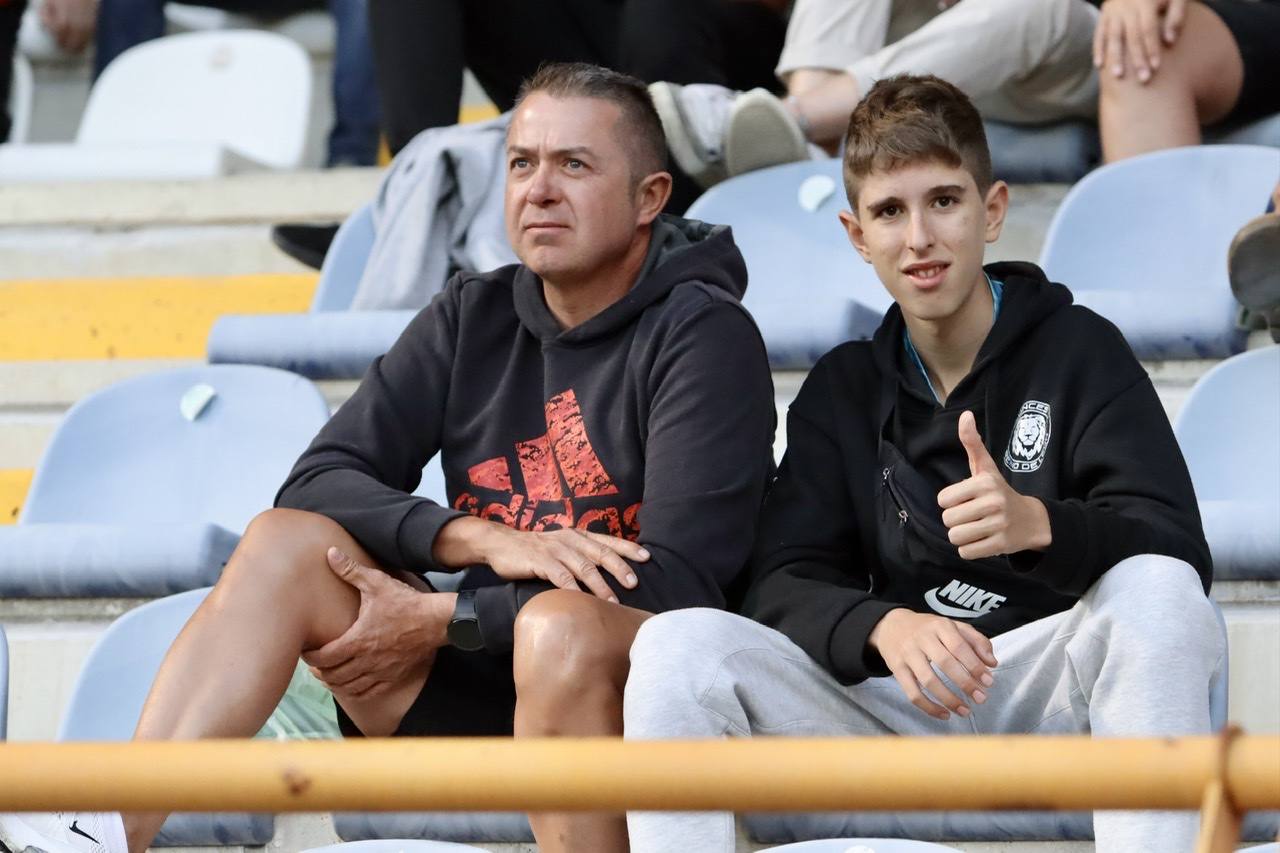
[605, 418]
[983, 523]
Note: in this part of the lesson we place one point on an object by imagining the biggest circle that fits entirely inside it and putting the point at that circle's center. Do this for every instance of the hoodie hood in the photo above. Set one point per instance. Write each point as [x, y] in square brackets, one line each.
[1029, 298]
[681, 251]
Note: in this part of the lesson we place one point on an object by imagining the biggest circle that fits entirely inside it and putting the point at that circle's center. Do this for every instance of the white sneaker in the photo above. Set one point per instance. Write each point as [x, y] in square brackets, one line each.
[62, 832]
[760, 133]
[694, 118]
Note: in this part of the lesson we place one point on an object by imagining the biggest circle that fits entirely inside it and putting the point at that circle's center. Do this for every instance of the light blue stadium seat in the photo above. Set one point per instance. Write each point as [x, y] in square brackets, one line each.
[806, 287]
[108, 697]
[132, 498]
[1144, 243]
[1064, 152]
[472, 827]
[4, 684]
[1229, 430]
[394, 845]
[329, 341]
[861, 845]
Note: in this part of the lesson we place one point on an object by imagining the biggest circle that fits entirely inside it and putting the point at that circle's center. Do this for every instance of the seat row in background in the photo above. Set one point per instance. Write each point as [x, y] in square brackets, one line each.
[1143, 242]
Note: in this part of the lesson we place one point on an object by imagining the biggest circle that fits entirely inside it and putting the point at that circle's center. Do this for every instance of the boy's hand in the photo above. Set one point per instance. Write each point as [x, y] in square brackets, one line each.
[983, 514]
[910, 642]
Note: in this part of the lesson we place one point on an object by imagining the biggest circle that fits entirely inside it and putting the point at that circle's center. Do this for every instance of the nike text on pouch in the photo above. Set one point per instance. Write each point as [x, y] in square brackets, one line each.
[962, 601]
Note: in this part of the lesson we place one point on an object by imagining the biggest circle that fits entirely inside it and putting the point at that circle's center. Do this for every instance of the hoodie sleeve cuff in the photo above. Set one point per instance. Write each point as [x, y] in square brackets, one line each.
[496, 609]
[851, 657]
[1058, 564]
[416, 537]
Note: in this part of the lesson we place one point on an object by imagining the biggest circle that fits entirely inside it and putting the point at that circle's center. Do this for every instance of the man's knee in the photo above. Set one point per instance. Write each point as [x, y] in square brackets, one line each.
[565, 645]
[284, 544]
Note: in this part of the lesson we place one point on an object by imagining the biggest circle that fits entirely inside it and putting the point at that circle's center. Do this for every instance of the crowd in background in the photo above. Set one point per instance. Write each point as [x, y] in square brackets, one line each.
[742, 84]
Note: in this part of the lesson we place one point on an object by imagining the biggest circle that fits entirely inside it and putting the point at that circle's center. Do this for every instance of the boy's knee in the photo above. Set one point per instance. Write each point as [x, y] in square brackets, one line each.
[1156, 596]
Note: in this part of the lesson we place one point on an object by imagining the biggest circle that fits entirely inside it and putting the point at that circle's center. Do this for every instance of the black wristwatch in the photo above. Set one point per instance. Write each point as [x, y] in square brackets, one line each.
[464, 628]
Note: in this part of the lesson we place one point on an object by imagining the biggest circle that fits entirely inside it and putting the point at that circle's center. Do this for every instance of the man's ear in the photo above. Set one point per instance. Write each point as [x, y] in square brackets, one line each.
[853, 228]
[651, 196]
[997, 206]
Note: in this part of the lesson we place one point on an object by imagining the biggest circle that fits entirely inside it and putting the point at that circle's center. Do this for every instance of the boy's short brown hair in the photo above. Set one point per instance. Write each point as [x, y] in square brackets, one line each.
[911, 119]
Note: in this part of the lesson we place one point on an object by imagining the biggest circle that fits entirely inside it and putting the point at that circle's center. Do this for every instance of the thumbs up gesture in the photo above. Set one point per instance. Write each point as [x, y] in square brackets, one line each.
[983, 514]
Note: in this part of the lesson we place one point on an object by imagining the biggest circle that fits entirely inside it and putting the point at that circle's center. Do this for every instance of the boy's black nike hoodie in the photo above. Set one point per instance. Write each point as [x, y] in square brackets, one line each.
[851, 528]
[653, 420]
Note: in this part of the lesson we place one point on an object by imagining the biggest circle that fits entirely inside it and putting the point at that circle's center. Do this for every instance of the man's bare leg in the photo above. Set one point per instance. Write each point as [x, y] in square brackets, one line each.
[571, 663]
[1197, 84]
[232, 663]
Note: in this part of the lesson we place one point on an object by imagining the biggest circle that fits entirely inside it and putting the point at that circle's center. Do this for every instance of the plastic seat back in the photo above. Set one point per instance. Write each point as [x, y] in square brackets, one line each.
[395, 845]
[21, 93]
[344, 262]
[4, 684]
[1228, 428]
[129, 454]
[807, 288]
[248, 91]
[1144, 242]
[861, 845]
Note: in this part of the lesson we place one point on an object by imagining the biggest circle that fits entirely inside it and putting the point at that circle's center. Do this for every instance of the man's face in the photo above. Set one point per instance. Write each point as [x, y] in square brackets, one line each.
[571, 209]
[924, 227]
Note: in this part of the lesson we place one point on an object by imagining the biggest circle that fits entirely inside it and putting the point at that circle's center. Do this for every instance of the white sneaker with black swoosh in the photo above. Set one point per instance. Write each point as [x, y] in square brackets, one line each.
[62, 832]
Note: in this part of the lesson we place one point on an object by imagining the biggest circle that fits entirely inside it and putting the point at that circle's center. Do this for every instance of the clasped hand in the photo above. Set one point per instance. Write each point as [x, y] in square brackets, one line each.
[396, 630]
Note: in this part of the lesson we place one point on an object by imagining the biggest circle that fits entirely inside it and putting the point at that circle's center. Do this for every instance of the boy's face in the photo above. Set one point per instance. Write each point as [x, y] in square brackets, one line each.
[924, 227]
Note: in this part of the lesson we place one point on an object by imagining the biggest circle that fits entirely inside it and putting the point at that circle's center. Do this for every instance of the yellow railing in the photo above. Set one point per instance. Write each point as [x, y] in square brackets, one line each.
[1223, 775]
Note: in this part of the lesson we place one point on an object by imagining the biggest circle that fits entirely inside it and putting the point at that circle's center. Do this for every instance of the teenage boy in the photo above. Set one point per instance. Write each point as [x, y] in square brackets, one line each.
[605, 418]
[983, 524]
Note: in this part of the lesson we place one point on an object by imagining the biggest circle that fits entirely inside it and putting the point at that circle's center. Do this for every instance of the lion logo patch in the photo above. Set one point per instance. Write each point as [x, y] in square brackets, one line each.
[1030, 438]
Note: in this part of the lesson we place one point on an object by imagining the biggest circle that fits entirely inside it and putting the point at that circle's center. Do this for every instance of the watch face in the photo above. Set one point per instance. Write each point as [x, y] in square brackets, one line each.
[464, 634]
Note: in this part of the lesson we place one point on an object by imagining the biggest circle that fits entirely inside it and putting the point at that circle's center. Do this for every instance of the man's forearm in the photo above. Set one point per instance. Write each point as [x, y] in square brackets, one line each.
[465, 541]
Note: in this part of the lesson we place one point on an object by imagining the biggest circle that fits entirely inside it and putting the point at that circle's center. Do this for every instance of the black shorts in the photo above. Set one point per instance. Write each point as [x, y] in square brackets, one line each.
[467, 694]
[1255, 25]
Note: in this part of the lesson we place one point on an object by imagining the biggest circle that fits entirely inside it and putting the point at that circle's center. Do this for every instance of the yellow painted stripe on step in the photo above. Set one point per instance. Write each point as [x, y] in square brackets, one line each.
[135, 318]
[14, 485]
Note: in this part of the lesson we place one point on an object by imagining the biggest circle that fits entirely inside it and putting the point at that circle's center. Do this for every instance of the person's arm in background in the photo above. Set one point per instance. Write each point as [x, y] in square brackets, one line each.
[70, 22]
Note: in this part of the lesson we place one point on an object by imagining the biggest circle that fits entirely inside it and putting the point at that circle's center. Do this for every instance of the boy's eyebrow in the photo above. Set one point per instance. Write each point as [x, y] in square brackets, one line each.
[943, 189]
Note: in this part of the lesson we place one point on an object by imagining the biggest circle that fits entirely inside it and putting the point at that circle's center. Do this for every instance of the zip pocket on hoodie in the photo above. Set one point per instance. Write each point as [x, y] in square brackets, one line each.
[931, 533]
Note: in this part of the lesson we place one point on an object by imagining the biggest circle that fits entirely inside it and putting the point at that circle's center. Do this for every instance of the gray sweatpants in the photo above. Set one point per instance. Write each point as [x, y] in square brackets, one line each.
[1025, 61]
[1134, 657]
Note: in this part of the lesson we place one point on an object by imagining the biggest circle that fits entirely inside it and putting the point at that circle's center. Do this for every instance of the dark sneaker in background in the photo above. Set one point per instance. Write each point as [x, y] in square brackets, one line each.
[304, 242]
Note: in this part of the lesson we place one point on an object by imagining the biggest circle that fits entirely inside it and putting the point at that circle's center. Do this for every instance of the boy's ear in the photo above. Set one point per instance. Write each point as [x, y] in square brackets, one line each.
[853, 228]
[997, 205]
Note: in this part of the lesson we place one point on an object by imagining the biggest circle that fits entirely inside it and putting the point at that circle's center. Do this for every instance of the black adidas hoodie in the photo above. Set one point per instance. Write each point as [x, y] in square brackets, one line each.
[851, 528]
[653, 420]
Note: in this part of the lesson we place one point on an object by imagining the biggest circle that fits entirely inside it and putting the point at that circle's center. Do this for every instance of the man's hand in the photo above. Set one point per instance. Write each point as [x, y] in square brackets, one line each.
[1130, 35]
[396, 630]
[70, 22]
[983, 514]
[566, 558]
[909, 642]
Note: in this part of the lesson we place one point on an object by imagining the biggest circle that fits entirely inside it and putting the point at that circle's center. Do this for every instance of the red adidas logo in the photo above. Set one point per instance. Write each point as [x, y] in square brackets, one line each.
[558, 466]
